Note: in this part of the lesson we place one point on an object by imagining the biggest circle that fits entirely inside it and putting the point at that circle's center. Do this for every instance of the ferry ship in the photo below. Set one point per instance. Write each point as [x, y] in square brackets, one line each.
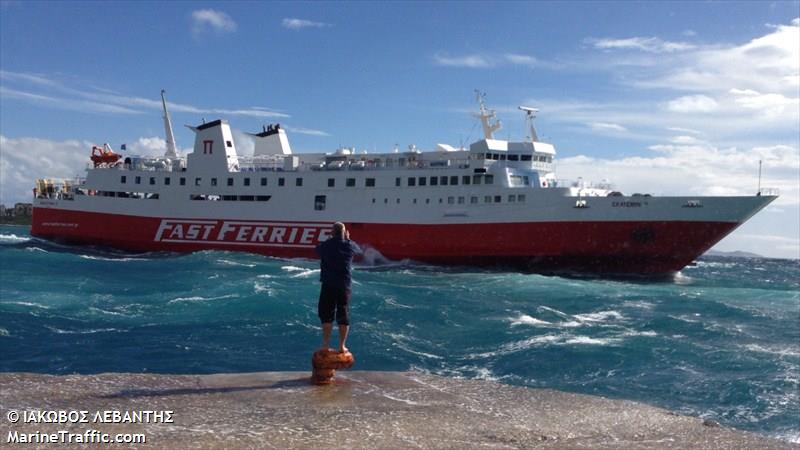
[494, 203]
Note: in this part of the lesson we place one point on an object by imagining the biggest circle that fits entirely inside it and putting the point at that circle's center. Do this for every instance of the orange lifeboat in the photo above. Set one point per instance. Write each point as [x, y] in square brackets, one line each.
[104, 155]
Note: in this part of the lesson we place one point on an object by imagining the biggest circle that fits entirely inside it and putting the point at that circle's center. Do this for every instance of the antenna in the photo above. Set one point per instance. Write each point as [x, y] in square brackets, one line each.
[530, 114]
[485, 115]
[759, 178]
[170, 153]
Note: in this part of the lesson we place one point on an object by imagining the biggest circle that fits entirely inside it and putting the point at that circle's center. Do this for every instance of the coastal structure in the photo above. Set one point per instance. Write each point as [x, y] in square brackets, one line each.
[362, 410]
[495, 203]
[20, 214]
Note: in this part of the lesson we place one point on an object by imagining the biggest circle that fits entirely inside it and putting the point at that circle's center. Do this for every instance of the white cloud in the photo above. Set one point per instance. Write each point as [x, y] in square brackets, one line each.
[471, 61]
[62, 103]
[484, 61]
[212, 20]
[299, 24]
[605, 126]
[768, 104]
[685, 140]
[646, 44]
[684, 130]
[23, 160]
[767, 64]
[529, 61]
[148, 146]
[76, 99]
[306, 131]
[693, 104]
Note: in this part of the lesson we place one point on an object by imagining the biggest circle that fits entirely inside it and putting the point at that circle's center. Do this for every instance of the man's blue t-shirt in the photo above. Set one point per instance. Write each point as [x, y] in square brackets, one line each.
[337, 261]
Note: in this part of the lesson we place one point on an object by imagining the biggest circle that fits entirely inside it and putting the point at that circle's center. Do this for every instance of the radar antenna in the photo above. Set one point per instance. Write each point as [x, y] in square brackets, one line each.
[530, 114]
[485, 115]
[170, 153]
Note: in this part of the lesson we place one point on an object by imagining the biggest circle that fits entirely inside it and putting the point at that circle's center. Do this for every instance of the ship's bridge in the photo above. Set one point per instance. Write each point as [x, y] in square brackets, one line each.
[536, 156]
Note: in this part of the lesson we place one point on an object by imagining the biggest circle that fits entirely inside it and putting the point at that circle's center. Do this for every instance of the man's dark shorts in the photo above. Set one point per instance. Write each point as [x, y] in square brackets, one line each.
[334, 300]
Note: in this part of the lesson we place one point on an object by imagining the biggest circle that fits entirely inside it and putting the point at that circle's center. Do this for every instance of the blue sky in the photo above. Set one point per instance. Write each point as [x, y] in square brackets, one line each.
[662, 97]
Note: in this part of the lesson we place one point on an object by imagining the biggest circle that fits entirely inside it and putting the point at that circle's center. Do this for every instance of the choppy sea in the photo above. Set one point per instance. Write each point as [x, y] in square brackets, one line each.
[721, 340]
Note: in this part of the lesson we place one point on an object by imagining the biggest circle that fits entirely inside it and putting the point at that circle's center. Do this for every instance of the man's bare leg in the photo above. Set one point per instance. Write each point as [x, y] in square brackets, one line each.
[343, 330]
[327, 329]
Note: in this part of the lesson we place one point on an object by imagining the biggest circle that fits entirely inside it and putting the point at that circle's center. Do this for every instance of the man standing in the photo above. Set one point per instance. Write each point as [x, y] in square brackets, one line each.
[336, 255]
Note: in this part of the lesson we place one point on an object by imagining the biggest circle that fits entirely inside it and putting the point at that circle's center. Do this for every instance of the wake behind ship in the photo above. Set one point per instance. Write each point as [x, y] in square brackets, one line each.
[495, 203]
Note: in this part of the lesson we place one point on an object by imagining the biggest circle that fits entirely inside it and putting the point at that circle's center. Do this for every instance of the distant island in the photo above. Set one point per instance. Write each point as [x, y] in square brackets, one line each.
[734, 254]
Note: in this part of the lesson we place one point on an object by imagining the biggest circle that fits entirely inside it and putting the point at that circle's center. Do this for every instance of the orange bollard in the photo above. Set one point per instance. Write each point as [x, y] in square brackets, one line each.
[325, 362]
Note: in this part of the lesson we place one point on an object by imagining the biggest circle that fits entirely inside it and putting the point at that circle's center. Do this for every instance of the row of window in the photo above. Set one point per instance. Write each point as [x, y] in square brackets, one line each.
[513, 157]
[443, 180]
[512, 198]
[319, 201]
[452, 180]
[198, 181]
[138, 195]
[232, 198]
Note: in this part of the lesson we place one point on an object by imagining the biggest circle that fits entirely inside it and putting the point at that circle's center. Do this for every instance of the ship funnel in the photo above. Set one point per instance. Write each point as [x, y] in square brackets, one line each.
[171, 153]
[271, 141]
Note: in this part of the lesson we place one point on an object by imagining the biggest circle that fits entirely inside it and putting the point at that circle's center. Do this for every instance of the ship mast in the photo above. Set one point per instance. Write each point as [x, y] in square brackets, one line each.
[170, 153]
[530, 114]
[485, 115]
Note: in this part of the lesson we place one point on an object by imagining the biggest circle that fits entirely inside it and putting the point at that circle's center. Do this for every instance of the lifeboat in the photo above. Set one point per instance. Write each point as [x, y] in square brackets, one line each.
[104, 155]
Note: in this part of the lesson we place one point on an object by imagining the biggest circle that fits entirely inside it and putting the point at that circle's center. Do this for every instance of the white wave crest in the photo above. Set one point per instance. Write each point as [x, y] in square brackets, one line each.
[791, 436]
[525, 319]
[392, 302]
[102, 258]
[554, 311]
[586, 340]
[632, 333]
[13, 239]
[103, 311]
[4, 333]
[234, 263]
[35, 305]
[89, 331]
[546, 340]
[300, 272]
[782, 351]
[201, 299]
[601, 316]
[36, 249]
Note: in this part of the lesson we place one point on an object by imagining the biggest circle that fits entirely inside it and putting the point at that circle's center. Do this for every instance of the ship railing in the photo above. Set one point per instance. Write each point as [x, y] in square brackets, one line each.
[142, 164]
[583, 184]
[770, 191]
[250, 165]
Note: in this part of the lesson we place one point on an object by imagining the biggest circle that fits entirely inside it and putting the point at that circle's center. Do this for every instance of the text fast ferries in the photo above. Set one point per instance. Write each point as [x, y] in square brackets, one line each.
[496, 203]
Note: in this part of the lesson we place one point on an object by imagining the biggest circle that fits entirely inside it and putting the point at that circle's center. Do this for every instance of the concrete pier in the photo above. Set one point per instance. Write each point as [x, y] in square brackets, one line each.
[361, 410]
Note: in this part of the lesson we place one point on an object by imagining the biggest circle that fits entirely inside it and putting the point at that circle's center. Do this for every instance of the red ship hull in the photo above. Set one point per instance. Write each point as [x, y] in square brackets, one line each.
[640, 247]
